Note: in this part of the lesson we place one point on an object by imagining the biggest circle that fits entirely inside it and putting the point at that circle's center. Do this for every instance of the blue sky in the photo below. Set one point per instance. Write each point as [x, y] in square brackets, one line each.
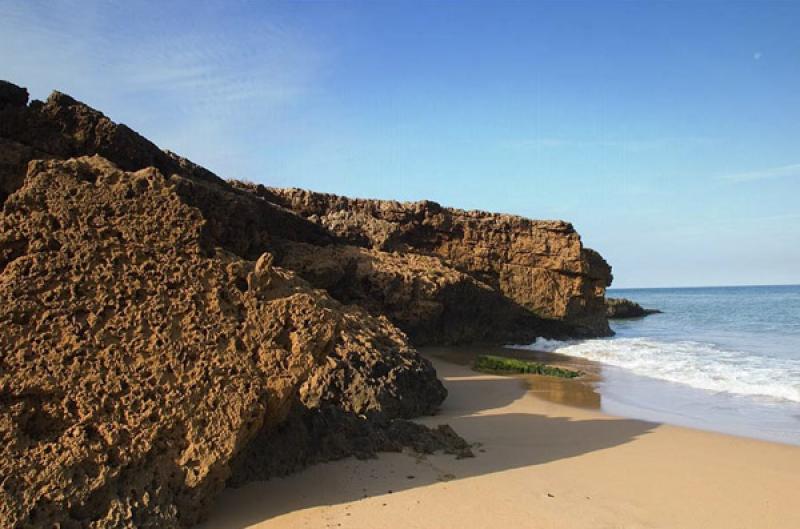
[666, 132]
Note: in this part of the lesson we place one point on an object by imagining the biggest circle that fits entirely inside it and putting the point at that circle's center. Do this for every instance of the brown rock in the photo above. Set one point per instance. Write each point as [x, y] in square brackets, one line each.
[63, 127]
[432, 302]
[541, 266]
[523, 273]
[153, 338]
[137, 361]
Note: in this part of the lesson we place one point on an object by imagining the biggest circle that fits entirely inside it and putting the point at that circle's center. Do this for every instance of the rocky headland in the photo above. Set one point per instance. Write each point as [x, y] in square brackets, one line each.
[448, 276]
[164, 332]
[621, 308]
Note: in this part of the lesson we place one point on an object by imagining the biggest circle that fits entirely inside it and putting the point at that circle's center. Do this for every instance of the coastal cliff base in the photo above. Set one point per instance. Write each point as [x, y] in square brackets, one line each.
[538, 462]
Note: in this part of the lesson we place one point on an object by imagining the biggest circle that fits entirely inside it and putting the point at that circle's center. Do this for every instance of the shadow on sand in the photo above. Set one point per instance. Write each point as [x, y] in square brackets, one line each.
[505, 438]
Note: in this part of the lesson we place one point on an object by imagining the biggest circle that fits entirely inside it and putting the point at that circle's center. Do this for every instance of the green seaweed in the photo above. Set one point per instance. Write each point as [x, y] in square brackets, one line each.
[504, 364]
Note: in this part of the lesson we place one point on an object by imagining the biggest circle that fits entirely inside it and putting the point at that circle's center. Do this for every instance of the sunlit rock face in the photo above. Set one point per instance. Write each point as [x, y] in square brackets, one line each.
[538, 266]
[143, 346]
[519, 278]
[164, 332]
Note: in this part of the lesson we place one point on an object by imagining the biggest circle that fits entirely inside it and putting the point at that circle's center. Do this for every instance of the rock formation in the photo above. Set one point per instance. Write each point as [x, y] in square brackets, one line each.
[139, 357]
[163, 331]
[432, 302]
[61, 128]
[539, 267]
[620, 308]
[507, 278]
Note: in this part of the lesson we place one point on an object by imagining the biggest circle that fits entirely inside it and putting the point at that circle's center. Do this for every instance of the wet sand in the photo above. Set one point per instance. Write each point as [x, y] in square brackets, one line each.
[540, 463]
[580, 392]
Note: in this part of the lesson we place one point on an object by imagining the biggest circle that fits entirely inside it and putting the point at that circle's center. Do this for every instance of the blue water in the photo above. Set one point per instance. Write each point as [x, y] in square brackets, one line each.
[720, 358]
[763, 320]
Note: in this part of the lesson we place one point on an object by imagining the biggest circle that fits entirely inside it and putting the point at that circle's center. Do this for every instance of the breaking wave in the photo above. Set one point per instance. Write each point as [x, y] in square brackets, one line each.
[697, 364]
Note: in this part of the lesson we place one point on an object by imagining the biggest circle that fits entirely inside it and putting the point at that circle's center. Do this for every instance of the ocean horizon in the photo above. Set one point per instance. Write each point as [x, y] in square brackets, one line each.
[613, 290]
[718, 358]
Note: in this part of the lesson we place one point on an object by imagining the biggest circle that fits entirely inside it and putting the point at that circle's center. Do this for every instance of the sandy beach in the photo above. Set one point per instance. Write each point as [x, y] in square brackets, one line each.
[539, 463]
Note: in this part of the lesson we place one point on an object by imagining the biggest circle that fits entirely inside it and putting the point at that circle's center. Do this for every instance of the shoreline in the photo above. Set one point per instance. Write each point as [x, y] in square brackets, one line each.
[579, 392]
[537, 463]
[619, 392]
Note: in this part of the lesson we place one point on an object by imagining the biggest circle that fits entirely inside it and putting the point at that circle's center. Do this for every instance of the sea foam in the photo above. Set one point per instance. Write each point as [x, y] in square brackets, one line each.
[697, 364]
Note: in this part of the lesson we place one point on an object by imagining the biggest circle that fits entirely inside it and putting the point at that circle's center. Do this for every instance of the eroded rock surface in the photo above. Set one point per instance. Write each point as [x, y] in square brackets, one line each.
[156, 342]
[530, 277]
[540, 266]
[137, 361]
[433, 302]
[62, 127]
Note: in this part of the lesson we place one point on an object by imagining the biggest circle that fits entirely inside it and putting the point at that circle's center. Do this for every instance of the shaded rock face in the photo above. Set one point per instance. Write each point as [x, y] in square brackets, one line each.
[432, 302]
[334, 434]
[137, 361]
[541, 266]
[620, 308]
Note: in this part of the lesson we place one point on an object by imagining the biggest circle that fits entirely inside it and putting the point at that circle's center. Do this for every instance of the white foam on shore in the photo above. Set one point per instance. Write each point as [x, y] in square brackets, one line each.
[700, 365]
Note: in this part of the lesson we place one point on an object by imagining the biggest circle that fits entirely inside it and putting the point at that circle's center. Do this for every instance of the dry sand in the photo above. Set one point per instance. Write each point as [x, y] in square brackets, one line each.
[540, 464]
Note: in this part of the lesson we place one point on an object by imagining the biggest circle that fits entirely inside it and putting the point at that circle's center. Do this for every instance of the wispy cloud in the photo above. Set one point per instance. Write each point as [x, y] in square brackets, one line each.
[624, 144]
[784, 171]
[204, 81]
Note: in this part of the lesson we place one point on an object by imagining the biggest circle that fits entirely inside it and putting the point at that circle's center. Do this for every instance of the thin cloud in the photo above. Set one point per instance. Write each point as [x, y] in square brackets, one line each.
[206, 88]
[631, 145]
[784, 171]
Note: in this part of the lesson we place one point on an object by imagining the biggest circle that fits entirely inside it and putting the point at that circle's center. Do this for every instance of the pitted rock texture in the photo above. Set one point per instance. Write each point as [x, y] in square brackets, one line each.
[538, 270]
[541, 266]
[137, 361]
[154, 337]
[62, 127]
[432, 302]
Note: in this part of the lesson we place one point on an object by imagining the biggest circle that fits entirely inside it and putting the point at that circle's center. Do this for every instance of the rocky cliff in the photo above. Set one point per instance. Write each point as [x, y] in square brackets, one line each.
[146, 348]
[476, 276]
[137, 361]
[539, 268]
[164, 332]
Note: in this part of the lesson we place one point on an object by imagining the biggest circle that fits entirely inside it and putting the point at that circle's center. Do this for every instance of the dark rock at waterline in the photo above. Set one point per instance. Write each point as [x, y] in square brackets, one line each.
[621, 308]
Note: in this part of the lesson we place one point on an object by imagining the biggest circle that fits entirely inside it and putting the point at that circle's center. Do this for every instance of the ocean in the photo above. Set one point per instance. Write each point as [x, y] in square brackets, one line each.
[718, 358]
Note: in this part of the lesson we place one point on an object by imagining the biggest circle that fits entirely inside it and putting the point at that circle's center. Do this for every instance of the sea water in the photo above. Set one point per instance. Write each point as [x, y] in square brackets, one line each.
[719, 358]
